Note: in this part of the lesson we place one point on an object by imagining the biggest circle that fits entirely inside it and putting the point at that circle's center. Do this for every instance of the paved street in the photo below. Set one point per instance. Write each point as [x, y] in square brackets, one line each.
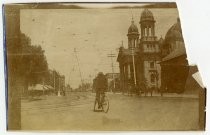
[75, 112]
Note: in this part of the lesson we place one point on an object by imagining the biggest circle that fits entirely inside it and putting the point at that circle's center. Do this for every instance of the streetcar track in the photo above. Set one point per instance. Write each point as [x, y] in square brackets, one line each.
[53, 106]
[45, 108]
[59, 105]
[60, 101]
[59, 109]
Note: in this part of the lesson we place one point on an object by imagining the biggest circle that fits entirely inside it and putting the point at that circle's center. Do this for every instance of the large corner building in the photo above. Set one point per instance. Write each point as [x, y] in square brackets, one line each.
[150, 60]
[139, 63]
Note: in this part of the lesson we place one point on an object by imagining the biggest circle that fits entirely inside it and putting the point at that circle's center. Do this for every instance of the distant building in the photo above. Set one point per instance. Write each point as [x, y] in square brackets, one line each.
[62, 82]
[57, 81]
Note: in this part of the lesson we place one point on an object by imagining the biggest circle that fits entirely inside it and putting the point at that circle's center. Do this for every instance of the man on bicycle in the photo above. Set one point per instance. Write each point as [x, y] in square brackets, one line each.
[100, 87]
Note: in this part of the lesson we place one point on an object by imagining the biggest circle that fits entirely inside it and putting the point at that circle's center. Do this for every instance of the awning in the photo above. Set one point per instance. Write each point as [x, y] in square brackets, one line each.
[40, 87]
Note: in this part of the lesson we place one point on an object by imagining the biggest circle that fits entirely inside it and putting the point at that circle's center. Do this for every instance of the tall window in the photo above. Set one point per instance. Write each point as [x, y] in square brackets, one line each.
[149, 33]
[133, 43]
[145, 31]
[152, 64]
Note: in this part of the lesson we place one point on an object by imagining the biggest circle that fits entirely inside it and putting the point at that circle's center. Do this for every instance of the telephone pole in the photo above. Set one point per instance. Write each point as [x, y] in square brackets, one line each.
[59, 86]
[54, 79]
[134, 67]
[111, 55]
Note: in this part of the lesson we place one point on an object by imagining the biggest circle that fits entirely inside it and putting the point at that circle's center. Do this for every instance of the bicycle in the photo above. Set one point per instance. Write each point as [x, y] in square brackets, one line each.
[103, 105]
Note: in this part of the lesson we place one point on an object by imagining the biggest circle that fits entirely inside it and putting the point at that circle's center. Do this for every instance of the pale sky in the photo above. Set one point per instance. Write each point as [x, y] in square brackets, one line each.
[93, 32]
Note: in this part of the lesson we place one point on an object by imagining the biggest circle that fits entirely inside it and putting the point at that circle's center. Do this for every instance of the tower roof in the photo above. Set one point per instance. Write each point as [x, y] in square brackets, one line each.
[175, 32]
[147, 15]
[133, 29]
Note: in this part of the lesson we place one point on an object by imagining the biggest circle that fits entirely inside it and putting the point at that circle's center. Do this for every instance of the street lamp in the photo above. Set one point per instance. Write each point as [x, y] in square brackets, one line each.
[156, 73]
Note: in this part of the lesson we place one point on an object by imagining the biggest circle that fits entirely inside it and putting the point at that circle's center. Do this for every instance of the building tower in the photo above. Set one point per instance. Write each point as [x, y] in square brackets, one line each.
[149, 50]
[147, 24]
[133, 41]
[133, 35]
[127, 58]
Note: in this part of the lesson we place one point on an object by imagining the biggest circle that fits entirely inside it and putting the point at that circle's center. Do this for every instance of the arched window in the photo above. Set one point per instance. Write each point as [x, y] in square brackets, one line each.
[134, 43]
[145, 31]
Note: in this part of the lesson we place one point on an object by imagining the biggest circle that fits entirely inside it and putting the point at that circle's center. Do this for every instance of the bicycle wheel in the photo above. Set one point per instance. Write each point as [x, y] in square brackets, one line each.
[105, 105]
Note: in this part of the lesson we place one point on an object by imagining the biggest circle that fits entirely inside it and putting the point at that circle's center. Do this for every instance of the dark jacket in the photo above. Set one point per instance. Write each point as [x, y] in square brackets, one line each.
[101, 83]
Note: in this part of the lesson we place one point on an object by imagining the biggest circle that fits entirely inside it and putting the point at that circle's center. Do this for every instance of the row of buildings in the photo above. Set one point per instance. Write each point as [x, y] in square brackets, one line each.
[159, 63]
[53, 82]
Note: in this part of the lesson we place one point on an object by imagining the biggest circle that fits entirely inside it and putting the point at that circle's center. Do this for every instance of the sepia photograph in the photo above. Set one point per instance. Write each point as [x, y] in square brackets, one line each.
[99, 67]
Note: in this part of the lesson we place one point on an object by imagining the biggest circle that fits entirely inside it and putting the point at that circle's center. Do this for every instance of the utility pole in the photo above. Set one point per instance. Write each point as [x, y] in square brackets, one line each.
[134, 69]
[96, 72]
[156, 73]
[69, 78]
[111, 55]
[43, 85]
[59, 91]
[75, 51]
[54, 79]
[90, 79]
[69, 84]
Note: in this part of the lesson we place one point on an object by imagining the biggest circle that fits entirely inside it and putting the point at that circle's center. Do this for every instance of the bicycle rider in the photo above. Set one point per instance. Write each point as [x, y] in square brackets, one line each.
[100, 87]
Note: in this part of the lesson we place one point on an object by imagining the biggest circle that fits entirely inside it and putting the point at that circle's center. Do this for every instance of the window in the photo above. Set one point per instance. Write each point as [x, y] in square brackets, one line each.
[145, 31]
[152, 64]
[133, 43]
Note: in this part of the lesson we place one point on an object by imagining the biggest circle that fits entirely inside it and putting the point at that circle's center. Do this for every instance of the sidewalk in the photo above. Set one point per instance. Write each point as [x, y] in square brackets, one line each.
[154, 94]
[176, 95]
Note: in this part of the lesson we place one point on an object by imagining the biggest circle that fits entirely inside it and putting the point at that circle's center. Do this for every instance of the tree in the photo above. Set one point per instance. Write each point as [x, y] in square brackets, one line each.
[68, 87]
[38, 67]
[30, 62]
